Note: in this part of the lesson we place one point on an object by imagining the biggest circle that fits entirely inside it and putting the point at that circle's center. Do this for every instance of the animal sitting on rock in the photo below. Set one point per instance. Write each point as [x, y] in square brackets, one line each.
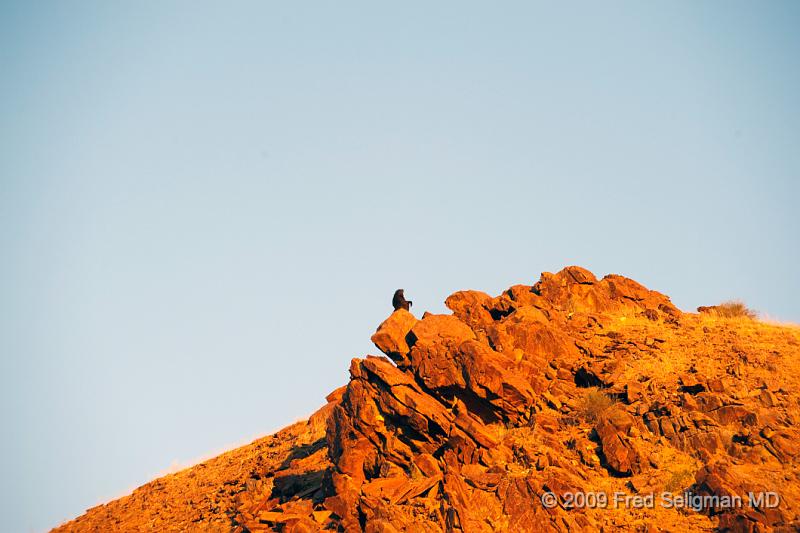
[399, 301]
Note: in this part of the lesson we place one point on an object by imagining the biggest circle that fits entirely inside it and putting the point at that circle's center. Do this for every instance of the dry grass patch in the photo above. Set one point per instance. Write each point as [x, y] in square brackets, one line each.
[734, 309]
[679, 480]
[594, 403]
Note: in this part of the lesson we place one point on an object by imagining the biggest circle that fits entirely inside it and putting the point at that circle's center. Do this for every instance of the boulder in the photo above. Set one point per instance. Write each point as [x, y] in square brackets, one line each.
[622, 454]
[390, 338]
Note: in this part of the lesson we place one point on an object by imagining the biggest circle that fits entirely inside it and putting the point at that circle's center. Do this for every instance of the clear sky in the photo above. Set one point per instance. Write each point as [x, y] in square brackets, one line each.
[205, 207]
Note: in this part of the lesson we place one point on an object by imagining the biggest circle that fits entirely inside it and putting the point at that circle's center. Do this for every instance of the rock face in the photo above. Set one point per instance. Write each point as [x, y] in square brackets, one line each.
[571, 385]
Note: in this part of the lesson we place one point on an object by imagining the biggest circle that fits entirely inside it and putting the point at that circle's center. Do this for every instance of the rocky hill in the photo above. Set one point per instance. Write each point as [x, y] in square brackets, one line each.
[573, 404]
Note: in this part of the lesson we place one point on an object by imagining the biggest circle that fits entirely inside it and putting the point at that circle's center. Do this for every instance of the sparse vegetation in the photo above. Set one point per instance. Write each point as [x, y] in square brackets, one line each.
[734, 309]
[594, 403]
[679, 480]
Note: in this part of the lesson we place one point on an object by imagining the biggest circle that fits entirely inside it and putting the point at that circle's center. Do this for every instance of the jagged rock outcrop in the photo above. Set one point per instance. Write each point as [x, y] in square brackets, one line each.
[571, 385]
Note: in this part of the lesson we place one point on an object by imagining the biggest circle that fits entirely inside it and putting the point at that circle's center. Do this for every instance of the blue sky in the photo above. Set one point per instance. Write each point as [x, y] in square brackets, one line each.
[205, 208]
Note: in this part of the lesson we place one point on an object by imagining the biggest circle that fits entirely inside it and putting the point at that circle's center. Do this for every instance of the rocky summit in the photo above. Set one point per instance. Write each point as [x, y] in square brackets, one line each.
[575, 404]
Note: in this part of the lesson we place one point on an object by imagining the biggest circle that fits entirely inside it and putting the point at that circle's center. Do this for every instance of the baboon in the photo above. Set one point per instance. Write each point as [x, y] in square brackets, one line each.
[399, 301]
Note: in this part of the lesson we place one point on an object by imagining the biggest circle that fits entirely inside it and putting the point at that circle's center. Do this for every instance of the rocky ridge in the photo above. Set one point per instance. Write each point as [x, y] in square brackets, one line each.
[572, 385]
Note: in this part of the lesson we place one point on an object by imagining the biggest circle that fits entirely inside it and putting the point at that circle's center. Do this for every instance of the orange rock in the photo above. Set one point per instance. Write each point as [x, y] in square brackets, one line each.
[390, 338]
[427, 464]
[621, 451]
[386, 488]
[471, 307]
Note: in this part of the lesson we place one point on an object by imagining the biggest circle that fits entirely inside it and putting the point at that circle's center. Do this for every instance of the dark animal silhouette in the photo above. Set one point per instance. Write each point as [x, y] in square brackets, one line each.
[399, 301]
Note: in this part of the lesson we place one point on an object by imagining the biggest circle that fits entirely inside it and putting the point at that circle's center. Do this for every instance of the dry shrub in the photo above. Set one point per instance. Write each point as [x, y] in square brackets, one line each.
[594, 403]
[679, 480]
[734, 309]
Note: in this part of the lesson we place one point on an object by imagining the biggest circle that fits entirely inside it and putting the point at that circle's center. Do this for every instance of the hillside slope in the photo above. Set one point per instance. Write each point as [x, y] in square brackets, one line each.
[573, 404]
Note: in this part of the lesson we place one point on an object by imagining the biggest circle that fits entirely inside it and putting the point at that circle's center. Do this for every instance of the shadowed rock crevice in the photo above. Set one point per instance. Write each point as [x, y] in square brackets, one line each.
[584, 378]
